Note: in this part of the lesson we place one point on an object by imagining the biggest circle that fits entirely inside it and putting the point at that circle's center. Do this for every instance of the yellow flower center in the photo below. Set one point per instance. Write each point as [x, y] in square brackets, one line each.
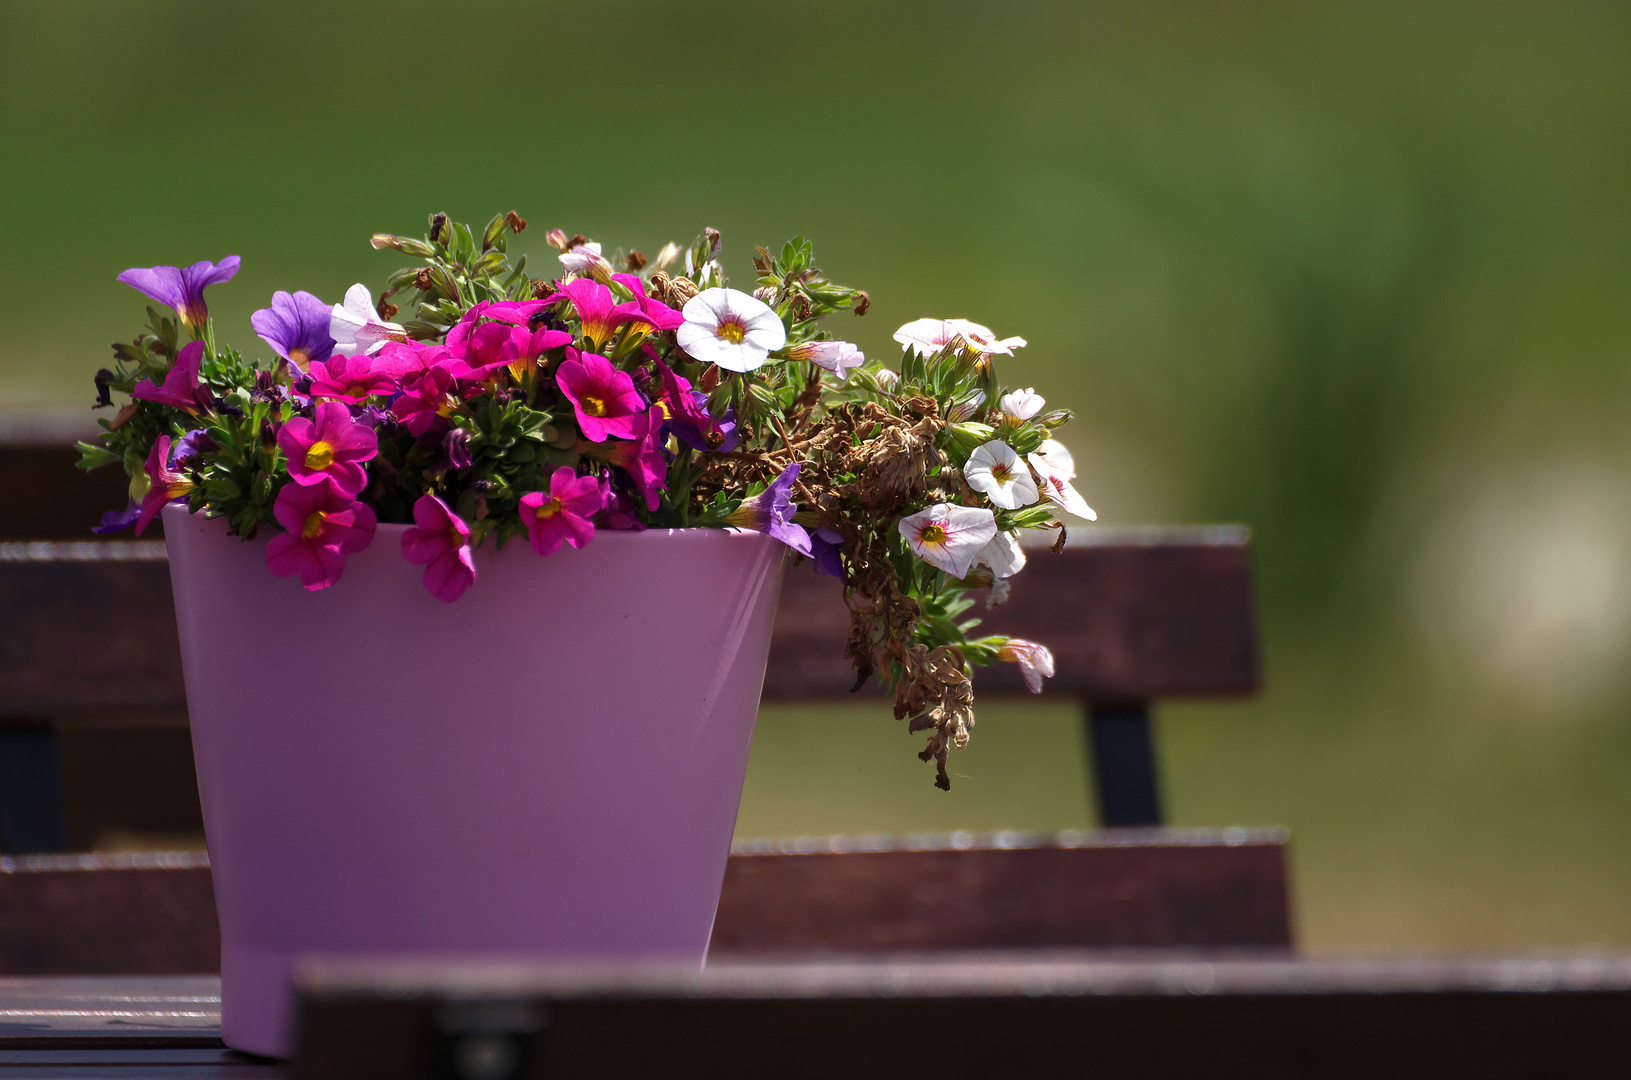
[731, 330]
[319, 456]
[313, 525]
[932, 534]
[358, 390]
[549, 509]
[1001, 472]
[594, 406]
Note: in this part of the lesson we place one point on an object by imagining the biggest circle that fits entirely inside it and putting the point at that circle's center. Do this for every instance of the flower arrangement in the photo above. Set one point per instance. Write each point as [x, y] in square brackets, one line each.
[616, 395]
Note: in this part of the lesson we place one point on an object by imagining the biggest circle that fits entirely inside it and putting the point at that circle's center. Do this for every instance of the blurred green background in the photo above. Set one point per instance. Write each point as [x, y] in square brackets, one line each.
[1355, 275]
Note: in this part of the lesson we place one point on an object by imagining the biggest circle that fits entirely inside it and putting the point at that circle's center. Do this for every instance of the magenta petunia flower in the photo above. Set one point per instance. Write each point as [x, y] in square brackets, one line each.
[353, 378]
[164, 483]
[642, 457]
[617, 509]
[296, 327]
[489, 347]
[564, 514]
[182, 289]
[603, 397]
[330, 447]
[771, 511]
[423, 399]
[593, 303]
[181, 388]
[514, 312]
[324, 525]
[652, 310]
[440, 542]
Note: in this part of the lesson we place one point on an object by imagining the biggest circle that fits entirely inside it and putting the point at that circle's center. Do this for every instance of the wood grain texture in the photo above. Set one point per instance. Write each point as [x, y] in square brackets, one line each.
[1133, 615]
[1152, 888]
[107, 915]
[1010, 1015]
[155, 914]
[88, 627]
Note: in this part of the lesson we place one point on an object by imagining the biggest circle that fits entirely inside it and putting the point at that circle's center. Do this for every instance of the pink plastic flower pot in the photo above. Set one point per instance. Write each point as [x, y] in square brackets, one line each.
[549, 767]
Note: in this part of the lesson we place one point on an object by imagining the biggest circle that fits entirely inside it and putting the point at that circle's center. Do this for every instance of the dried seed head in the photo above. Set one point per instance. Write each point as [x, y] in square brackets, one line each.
[636, 262]
[515, 221]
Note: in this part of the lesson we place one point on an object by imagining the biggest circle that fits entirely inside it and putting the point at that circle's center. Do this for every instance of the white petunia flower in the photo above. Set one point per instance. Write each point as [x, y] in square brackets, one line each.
[585, 258]
[1002, 555]
[1054, 453]
[1035, 661]
[997, 471]
[836, 356]
[949, 536]
[1022, 404]
[731, 329]
[926, 337]
[1056, 482]
[356, 327]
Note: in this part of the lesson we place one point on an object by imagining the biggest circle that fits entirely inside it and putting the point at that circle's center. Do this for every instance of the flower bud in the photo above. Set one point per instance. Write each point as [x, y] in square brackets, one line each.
[556, 239]
[964, 438]
[405, 244]
[438, 228]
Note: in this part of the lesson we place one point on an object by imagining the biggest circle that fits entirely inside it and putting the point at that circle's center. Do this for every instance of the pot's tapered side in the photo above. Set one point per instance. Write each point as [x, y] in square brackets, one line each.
[548, 767]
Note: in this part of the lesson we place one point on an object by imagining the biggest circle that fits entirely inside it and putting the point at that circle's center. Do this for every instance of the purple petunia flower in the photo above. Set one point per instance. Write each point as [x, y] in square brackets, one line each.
[826, 545]
[771, 511]
[296, 327]
[119, 520]
[182, 289]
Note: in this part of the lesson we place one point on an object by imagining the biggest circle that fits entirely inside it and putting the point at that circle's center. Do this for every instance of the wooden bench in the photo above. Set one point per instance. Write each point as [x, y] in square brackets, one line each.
[1133, 616]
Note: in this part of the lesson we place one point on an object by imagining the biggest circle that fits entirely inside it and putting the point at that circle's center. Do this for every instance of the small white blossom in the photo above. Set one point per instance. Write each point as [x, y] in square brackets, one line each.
[996, 470]
[585, 258]
[949, 536]
[731, 329]
[356, 327]
[1022, 404]
[1035, 661]
[836, 356]
[1002, 555]
[926, 337]
[1058, 458]
[966, 408]
[1056, 470]
[668, 254]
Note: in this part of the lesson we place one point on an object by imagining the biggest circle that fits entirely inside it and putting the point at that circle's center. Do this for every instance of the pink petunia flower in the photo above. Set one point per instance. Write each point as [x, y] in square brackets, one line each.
[181, 388]
[489, 347]
[927, 337]
[603, 397]
[440, 542]
[949, 537]
[1035, 661]
[353, 378]
[564, 514]
[332, 446]
[324, 525]
[164, 483]
[836, 356]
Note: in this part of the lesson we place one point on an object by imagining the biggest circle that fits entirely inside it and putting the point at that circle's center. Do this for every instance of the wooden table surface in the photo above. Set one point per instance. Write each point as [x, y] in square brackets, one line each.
[169, 1026]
